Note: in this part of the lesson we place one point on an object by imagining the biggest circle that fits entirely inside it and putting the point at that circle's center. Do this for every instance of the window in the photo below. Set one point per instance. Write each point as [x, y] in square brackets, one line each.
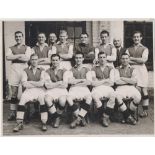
[74, 29]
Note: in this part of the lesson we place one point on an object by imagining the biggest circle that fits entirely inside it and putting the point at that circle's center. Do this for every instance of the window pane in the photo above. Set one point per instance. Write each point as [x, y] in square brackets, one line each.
[70, 31]
[78, 31]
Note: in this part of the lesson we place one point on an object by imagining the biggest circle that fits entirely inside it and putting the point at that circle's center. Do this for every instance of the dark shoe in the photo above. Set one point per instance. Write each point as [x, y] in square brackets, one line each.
[131, 120]
[75, 123]
[44, 127]
[19, 126]
[83, 122]
[12, 116]
[105, 121]
[57, 122]
[144, 114]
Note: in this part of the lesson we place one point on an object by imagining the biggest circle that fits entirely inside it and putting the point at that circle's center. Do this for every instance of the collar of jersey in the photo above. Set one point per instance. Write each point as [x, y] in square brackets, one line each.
[45, 44]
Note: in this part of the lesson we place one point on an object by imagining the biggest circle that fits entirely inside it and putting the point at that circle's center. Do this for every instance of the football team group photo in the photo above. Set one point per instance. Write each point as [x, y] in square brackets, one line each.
[78, 77]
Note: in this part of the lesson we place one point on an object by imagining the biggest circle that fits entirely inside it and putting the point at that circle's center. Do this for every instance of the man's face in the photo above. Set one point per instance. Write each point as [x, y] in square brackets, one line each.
[84, 38]
[63, 37]
[79, 59]
[104, 38]
[19, 38]
[102, 59]
[125, 60]
[41, 38]
[55, 61]
[137, 38]
[117, 43]
[34, 61]
[52, 38]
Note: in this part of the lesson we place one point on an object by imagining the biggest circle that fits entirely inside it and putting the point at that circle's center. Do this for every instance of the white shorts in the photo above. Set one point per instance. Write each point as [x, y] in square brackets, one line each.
[103, 91]
[142, 75]
[32, 95]
[79, 93]
[45, 67]
[56, 93]
[16, 70]
[127, 92]
[66, 65]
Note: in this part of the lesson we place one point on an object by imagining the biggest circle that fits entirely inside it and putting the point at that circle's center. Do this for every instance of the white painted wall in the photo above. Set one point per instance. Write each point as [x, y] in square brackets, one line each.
[117, 30]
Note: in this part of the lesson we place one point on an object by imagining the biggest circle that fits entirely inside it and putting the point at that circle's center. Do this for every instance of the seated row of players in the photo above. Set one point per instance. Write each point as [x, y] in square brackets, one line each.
[50, 88]
[19, 54]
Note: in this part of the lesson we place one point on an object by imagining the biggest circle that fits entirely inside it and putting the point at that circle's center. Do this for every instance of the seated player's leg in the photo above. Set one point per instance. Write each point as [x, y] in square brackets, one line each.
[83, 94]
[136, 96]
[97, 101]
[43, 111]
[120, 95]
[50, 105]
[26, 97]
[73, 101]
[103, 93]
[110, 106]
[20, 113]
[60, 109]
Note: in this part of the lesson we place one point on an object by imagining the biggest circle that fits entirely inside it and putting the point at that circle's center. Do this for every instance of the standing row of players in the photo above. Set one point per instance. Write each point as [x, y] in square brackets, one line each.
[93, 66]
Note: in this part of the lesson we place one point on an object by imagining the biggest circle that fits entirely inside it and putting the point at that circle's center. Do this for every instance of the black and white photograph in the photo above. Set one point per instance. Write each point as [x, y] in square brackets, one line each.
[78, 77]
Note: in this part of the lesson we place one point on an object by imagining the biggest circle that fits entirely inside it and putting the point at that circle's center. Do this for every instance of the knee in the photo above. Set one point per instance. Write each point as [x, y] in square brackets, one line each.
[137, 98]
[88, 99]
[23, 100]
[95, 97]
[41, 99]
[62, 101]
[47, 99]
[119, 99]
[112, 96]
[70, 100]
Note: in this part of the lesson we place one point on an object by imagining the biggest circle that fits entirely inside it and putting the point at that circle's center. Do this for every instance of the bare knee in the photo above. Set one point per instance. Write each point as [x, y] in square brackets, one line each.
[70, 100]
[119, 99]
[48, 99]
[88, 99]
[137, 98]
[41, 99]
[62, 101]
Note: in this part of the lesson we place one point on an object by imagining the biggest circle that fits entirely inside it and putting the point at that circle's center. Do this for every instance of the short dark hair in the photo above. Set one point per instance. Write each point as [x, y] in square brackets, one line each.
[100, 53]
[79, 53]
[84, 33]
[32, 55]
[62, 31]
[137, 32]
[104, 32]
[52, 33]
[125, 54]
[55, 55]
[41, 33]
[19, 32]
